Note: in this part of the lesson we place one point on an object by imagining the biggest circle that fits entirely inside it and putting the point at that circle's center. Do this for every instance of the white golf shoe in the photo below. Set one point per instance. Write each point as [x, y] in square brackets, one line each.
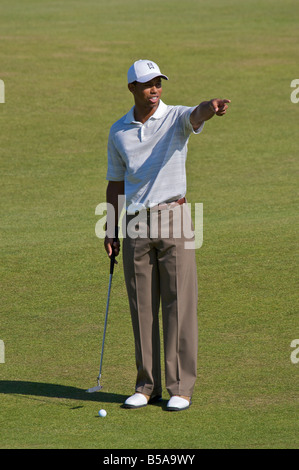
[136, 401]
[177, 403]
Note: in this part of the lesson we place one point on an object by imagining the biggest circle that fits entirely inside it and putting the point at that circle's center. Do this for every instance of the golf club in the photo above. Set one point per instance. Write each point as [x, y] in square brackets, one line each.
[112, 262]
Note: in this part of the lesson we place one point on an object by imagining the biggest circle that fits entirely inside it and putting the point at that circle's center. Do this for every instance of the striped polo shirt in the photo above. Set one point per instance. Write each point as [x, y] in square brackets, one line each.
[150, 158]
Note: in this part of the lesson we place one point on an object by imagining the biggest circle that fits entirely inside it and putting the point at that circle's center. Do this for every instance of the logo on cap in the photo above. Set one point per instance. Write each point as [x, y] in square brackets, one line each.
[150, 65]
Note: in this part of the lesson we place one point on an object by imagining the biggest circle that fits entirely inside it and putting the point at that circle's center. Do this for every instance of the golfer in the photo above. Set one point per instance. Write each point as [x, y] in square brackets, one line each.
[147, 150]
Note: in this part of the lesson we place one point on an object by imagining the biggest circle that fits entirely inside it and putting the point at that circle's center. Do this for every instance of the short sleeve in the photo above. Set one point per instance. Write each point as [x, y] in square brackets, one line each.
[116, 167]
[185, 120]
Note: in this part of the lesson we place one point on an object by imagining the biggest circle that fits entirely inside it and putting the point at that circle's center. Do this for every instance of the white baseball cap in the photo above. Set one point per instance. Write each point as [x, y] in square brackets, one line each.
[143, 71]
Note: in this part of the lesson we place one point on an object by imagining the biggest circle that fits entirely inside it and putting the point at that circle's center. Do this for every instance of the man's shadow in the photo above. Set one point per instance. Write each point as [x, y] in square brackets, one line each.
[49, 390]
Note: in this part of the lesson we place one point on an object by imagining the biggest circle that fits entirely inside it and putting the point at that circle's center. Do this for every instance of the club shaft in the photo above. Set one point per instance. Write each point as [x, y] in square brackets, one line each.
[105, 324]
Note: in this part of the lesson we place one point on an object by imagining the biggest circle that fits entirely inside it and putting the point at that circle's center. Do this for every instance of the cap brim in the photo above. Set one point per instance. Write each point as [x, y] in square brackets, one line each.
[149, 77]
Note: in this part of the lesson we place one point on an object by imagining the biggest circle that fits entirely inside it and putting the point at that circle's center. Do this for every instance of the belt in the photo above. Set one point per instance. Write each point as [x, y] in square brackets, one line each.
[160, 207]
[167, 205]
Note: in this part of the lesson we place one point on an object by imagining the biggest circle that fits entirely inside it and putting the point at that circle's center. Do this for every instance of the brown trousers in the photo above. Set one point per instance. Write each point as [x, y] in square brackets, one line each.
[159, 267]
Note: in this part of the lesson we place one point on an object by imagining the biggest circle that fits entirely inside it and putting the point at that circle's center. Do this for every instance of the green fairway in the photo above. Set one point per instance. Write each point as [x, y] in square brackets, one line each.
[64, 65]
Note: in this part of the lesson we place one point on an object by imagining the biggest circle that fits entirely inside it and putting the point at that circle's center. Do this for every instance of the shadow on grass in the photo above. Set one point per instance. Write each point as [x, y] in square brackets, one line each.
[57, 391]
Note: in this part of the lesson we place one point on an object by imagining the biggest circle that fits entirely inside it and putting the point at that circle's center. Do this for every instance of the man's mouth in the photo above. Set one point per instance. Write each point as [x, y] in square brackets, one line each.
[154, 99]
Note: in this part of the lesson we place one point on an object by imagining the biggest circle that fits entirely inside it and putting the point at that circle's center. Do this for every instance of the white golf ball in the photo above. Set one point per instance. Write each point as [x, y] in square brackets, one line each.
[102, 413]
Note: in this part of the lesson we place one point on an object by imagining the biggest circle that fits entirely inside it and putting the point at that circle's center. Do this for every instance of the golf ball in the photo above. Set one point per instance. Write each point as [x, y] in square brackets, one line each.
[102, 413]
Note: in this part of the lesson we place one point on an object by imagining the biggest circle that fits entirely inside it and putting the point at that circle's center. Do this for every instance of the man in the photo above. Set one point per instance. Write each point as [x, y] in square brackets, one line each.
[147, 150]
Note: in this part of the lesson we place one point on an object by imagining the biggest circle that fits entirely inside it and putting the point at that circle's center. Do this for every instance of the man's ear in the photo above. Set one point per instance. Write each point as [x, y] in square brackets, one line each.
[131, 87]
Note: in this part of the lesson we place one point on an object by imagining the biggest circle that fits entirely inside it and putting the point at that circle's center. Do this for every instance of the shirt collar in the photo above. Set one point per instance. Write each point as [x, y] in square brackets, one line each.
[158, 114]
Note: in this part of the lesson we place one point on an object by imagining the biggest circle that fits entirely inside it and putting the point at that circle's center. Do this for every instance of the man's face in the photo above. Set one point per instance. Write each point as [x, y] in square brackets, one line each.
[147, 95]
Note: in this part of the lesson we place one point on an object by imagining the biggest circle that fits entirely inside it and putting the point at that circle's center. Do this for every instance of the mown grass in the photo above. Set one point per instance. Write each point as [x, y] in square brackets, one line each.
[64, 66]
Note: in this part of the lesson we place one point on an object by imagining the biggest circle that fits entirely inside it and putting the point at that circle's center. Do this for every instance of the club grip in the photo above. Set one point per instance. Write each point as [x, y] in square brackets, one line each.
[112, 262]
[112, 257]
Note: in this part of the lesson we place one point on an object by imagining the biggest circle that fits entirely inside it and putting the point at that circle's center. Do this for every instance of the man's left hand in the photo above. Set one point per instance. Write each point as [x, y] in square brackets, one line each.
[219, 107]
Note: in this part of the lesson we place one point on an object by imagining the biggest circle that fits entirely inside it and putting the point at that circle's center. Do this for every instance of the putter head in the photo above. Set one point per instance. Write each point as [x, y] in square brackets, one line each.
[94, 389]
